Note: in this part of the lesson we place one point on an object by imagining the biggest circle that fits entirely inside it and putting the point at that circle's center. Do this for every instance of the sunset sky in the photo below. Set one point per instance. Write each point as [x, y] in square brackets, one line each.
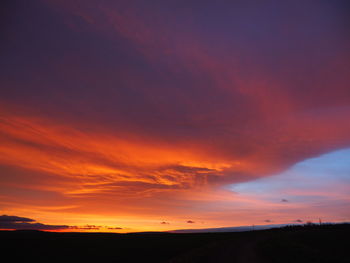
[131, 115]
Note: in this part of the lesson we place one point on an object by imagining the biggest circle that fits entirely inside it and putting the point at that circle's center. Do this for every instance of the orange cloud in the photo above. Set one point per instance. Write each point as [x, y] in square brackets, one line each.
[102, 162]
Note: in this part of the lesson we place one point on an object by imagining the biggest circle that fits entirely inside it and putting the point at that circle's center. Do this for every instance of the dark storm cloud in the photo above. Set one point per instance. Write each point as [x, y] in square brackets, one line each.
[23, 223]
[13, 219]
[113, 65]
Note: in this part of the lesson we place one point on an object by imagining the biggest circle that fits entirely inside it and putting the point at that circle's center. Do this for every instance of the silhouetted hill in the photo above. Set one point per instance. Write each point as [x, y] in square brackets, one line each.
[314, 243]
[228, 229]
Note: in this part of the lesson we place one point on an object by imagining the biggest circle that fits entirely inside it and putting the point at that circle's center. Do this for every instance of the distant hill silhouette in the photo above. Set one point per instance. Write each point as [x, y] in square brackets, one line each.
[228, 229]
[307, 243]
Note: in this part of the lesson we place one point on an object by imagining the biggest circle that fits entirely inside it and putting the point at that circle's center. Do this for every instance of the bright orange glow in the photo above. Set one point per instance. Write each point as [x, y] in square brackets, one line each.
[111, 182]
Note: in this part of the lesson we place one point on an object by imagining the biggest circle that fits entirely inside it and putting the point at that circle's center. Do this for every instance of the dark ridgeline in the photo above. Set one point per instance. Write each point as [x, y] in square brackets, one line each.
[308, 243]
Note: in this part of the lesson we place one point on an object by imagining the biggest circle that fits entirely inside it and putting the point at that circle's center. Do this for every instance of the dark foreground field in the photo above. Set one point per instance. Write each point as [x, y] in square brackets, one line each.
[325, 243]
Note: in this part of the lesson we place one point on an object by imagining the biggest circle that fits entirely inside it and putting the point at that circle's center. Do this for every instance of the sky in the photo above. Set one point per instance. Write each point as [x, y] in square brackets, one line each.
[127, 116]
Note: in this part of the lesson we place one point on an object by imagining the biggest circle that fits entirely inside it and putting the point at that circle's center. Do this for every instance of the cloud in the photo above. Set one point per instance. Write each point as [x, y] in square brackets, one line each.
[207, 126]
[165, 223]
[298, 221]
[87, 227]
[268, 221]
[190, 222]
[14, 219]
[284, 200]
[23, 223]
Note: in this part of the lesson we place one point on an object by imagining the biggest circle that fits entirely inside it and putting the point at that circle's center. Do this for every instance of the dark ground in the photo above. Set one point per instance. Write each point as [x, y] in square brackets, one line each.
[325, 243]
